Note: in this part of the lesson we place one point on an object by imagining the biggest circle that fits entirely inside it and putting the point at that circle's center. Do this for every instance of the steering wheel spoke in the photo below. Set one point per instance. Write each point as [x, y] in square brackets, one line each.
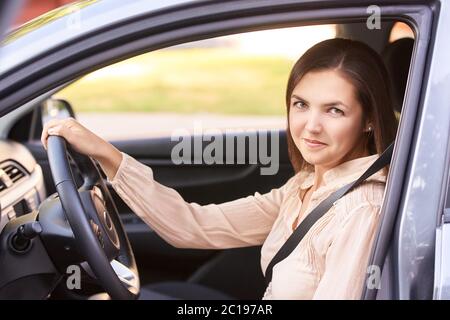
[126, 275]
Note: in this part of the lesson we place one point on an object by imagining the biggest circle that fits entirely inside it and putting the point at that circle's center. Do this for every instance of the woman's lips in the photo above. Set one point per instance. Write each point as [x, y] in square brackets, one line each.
[313, 143]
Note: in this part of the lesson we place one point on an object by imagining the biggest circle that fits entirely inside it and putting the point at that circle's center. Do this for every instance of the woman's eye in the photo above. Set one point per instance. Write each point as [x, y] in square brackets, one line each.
[336, 111]
[299, 104]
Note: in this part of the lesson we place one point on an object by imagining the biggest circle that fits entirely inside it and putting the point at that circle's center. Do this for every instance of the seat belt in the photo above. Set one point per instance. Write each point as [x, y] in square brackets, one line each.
[295, 238]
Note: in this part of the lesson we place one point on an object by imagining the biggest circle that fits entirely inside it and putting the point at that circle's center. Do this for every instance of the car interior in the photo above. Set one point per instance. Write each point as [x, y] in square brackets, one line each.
[26, 182]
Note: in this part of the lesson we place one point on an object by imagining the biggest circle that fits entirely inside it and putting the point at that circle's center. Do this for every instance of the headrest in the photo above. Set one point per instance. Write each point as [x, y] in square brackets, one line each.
[397, 58]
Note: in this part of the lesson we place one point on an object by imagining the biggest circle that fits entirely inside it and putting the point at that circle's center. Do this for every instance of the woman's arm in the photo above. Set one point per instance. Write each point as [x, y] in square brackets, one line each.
[243, 222]
[109, 158]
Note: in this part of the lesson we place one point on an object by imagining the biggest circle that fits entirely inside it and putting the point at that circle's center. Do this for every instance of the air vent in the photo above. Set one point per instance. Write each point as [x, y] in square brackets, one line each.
[14, 173]
[10, 173]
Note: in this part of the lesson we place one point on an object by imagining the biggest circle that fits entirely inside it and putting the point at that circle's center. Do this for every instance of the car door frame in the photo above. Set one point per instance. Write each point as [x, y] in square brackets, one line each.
[420, 213]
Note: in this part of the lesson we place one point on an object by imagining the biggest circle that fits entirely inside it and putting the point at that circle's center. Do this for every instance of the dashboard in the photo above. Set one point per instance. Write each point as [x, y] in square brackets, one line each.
[22, 186]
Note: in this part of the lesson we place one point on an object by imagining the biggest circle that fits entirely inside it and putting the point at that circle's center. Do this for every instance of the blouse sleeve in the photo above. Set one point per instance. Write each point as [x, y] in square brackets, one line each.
[243, 222]
[347, 257]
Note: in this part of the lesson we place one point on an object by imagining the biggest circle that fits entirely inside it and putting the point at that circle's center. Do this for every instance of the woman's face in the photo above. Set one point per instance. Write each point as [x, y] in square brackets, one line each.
[326, 119]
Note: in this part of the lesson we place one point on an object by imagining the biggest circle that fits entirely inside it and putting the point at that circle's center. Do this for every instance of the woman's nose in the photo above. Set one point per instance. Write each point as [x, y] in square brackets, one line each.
[313, 122]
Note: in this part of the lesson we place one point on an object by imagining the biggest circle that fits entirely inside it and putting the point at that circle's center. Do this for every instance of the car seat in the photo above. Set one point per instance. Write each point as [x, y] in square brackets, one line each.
[397, 58]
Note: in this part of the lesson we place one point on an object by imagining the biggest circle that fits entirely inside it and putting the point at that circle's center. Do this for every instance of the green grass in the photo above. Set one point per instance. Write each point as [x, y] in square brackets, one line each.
[186, 81]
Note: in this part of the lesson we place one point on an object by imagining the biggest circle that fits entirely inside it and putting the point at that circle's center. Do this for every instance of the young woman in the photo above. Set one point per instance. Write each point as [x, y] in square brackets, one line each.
[340, 118]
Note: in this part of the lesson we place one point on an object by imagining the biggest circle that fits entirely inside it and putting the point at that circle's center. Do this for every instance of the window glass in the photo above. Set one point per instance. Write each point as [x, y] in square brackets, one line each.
[229, 82]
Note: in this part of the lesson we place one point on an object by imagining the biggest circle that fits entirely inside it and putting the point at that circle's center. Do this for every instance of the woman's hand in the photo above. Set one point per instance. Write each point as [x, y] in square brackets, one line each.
[80, 138]
[85, 142]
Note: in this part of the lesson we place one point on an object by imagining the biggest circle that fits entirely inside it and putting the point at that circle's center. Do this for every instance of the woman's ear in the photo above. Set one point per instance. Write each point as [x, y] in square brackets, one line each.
[368, 127]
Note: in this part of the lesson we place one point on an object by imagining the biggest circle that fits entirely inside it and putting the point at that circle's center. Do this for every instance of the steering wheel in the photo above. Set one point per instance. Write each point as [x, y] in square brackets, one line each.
[99, 234]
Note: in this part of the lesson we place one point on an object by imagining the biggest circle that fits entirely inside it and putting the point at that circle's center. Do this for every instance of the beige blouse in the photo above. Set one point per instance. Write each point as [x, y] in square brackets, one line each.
[329, 263]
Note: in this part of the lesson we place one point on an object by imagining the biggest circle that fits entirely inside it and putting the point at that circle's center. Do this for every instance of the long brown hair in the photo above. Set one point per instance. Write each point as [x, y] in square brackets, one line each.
[365, 70]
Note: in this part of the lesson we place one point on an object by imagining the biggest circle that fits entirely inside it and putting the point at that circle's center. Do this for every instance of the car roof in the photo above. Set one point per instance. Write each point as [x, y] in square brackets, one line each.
[66, 23]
